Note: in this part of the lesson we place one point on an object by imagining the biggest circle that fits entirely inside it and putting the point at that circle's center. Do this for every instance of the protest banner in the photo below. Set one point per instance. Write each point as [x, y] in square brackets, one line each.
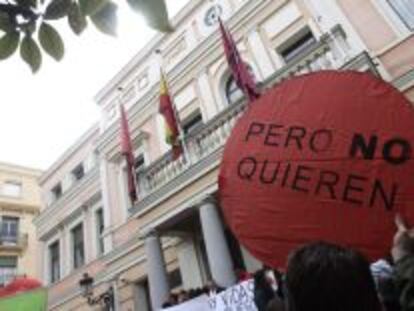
[236, 298]
[324, 156]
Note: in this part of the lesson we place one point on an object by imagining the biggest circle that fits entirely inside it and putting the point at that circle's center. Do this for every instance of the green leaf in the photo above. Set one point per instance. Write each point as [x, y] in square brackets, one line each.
[105, 20]
[51, 41]
[77, 21]
[154, 11]
[90, 7]
[57, 9]
[8, 44]
[30, 53]
[5, 23]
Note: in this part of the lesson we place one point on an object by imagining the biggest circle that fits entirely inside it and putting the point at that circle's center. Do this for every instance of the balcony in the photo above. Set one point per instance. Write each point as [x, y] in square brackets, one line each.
[204, 147]
[10, 242]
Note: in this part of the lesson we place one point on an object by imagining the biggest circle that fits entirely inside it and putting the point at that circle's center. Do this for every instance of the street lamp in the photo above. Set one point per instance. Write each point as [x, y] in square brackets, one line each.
[106, 298]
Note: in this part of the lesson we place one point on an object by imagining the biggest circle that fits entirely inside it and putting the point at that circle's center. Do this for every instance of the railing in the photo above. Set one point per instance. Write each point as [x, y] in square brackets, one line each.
[18, 241]
[213, 135]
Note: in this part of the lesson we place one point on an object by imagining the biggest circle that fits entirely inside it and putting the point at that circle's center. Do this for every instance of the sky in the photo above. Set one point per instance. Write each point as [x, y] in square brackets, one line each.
[42, 115]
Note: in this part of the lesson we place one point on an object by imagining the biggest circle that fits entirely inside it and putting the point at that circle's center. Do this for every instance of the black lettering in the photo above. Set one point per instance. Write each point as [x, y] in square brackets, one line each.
[255, 129]
[295, 133]
[300, 177]
[247, 168]
[272, 134]
[271, 180]
[286, 175]
[320, 140]
[350, 187]
[388, 201]
[359, 143]
[404, 147]
[328, 180]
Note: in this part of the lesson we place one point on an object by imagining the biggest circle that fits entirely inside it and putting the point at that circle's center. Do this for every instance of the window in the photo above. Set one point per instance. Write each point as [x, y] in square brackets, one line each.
[12, 189]
[8, 269]
[233, 93]
[78, 172]
[78, 246]
[57, 191]
[297, 45]
[405, 11]
[54, 261]
[139, 163]
[192, 122]
[100, 227]
[9, 230]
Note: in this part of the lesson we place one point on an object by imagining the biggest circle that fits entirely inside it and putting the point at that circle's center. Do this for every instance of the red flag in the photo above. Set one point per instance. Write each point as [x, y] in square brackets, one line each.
[166, 109]
[127, 152]
[244, 79]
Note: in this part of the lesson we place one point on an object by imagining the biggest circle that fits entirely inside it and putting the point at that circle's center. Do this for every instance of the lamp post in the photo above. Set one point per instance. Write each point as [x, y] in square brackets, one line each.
[106, 299]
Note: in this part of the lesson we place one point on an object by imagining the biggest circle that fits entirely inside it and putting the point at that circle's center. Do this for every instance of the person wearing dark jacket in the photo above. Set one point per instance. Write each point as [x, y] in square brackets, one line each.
[263, 291]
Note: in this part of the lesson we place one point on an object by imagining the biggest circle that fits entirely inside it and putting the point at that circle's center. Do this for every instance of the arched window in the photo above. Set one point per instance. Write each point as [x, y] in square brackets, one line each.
[233, 93]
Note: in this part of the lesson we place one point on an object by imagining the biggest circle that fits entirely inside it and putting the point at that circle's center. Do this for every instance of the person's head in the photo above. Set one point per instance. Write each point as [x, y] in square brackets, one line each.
[259, 278]
[182, 296]
[325, 277]
[172, 298]
[211, 285]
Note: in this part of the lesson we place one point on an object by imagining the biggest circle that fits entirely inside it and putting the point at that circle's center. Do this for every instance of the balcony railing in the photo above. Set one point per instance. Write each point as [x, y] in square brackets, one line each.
[213, 135]
[10, 241]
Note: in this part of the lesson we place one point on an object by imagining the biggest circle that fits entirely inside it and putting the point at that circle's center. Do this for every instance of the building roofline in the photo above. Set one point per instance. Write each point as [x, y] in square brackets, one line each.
[147, 50]
[7, 166]
[72, 149]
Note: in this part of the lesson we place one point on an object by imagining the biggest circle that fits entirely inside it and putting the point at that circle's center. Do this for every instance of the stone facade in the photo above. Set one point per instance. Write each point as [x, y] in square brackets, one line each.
[174, 237]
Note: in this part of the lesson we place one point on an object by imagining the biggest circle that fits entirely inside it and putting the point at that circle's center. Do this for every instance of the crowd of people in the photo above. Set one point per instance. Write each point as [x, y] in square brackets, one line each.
[326, 277]
[210, 289]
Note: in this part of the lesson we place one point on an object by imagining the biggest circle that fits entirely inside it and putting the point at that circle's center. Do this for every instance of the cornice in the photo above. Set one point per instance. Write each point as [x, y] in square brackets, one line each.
[88, 135]
[145, 53]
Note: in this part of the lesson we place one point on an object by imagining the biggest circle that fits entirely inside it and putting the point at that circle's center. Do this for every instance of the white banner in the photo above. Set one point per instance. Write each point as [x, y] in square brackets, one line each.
[236, 298]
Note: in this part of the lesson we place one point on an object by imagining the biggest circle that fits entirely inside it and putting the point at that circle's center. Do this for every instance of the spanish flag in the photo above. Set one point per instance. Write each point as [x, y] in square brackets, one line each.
[166, 109]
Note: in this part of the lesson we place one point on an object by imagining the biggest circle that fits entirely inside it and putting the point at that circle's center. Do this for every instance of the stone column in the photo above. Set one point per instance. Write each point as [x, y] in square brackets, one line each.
[157, 274]
[189, 264]
[218, 252]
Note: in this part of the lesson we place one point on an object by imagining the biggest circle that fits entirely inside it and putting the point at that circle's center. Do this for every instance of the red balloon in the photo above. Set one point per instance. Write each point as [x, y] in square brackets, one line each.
[20, 285]
[324, 156]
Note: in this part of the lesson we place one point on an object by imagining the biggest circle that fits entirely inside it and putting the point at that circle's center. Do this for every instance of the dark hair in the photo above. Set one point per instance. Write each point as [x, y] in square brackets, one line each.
[325, 277]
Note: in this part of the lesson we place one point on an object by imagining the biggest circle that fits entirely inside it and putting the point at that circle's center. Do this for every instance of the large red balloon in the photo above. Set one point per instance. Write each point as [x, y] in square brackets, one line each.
[325, 156]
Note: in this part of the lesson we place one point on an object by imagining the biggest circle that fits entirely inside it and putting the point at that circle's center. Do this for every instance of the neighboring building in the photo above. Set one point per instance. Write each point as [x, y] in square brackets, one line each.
[19, 203]
[174, 237]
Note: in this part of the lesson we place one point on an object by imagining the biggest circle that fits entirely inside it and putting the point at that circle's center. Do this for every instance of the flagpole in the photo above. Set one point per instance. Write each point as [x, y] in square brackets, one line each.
[181, 133]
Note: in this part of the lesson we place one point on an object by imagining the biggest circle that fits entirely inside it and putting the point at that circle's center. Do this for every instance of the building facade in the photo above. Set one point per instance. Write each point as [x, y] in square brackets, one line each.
[174, 236]
[19, 203]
